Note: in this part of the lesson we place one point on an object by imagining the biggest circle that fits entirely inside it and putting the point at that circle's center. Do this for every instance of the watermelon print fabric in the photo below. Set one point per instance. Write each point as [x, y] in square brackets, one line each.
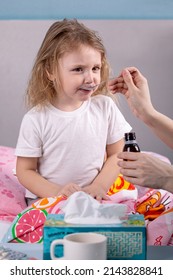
[28, 225]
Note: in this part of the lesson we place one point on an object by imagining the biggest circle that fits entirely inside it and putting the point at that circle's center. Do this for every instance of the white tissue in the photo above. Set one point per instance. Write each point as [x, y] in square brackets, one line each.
[81, 208]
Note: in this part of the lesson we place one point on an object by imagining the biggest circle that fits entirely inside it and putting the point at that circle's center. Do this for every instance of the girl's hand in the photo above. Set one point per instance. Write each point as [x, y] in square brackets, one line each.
[69, 189]
[96, 192]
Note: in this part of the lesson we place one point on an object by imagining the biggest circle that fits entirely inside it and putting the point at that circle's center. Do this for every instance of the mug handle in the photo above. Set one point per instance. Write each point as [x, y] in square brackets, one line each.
[52, 249]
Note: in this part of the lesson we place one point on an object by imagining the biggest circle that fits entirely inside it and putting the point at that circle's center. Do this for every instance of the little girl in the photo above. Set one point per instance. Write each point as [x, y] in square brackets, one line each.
[72, 122]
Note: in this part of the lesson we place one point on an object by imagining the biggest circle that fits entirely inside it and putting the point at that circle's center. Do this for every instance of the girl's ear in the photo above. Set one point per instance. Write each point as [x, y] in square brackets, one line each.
[50, 76]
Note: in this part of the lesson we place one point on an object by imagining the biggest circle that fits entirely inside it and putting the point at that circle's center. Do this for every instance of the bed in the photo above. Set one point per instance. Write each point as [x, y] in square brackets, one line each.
[22, 223]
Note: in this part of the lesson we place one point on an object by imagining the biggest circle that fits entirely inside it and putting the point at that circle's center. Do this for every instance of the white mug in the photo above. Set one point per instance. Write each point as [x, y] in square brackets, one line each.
[81, 246]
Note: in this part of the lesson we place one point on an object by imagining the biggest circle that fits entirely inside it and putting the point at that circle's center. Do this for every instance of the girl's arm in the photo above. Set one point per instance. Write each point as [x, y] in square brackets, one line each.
[26, 170]
[28, 176]
[110, 171]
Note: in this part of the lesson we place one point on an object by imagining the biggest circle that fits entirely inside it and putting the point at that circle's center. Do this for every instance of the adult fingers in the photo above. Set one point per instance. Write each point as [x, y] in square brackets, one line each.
[128, 79]
[128, 156]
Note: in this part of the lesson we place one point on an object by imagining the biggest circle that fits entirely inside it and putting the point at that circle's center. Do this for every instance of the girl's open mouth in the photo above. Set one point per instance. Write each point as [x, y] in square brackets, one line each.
[89, 87]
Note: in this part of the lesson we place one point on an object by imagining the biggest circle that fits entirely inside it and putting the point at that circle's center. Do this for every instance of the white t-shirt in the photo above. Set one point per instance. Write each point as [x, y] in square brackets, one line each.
[71, 145]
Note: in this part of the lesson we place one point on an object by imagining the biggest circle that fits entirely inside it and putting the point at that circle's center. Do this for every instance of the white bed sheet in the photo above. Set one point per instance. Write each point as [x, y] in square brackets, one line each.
[4, 226]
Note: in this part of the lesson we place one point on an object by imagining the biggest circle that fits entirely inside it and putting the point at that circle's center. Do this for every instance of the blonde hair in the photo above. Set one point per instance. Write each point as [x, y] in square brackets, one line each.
[63, 36]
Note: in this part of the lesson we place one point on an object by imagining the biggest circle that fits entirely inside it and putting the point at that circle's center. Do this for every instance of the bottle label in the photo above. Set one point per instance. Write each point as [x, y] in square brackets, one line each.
[130, 142]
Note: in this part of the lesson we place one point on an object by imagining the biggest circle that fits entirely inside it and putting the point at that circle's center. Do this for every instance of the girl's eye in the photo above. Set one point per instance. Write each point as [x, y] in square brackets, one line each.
[78, 69]
[96, 69]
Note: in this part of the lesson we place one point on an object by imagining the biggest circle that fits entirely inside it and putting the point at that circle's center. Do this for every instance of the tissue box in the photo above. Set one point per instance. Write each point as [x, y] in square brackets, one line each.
[126, 241]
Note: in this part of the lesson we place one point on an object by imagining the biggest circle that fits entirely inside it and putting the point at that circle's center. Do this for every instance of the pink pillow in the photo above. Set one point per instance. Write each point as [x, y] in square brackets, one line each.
[12, 193]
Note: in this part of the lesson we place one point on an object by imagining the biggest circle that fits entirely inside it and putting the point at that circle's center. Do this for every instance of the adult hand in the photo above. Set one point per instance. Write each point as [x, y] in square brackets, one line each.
[145, 170]
[134, 86]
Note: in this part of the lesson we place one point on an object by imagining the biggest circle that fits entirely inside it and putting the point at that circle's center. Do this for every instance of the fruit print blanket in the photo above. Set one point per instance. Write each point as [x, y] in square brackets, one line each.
[155, 205]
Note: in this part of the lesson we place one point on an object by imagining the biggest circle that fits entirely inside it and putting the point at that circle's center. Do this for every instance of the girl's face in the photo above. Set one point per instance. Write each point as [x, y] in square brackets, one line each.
[78, 71]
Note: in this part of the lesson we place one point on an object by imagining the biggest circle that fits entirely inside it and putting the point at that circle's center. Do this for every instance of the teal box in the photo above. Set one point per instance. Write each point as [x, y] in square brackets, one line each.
[126, 241]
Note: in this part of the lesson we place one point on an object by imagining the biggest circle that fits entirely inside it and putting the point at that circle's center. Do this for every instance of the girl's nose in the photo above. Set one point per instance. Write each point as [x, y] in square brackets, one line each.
[88, 76]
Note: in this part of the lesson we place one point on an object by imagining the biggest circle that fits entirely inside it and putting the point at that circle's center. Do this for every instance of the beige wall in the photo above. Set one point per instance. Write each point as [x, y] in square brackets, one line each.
[146, 44]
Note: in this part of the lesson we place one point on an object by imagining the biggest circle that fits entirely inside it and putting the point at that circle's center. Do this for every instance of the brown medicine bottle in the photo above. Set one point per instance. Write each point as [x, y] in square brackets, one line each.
[131, 144]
